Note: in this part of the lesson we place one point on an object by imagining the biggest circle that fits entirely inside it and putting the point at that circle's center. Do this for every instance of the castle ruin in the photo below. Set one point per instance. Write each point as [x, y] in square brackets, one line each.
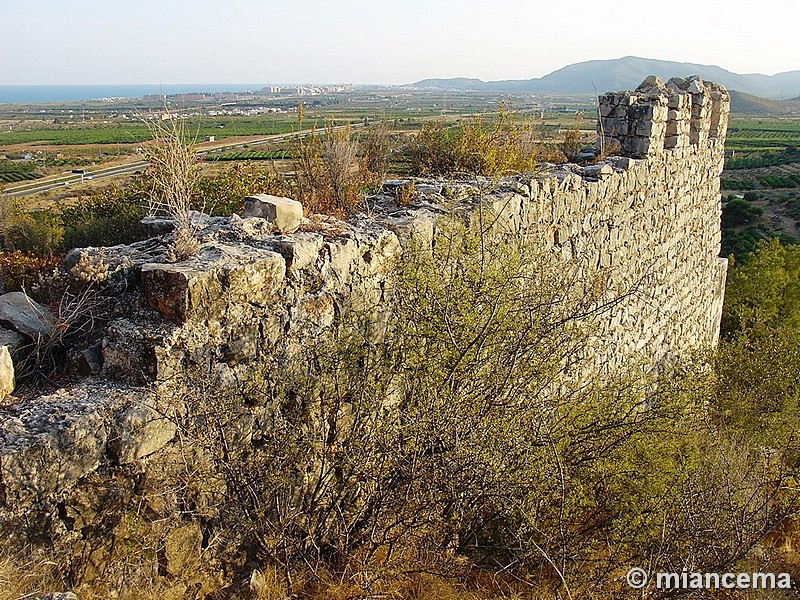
[647, 214]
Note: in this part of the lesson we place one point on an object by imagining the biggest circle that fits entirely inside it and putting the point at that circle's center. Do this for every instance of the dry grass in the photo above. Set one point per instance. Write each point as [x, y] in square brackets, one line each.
[174, 175]
[496, 147]
[24, 577]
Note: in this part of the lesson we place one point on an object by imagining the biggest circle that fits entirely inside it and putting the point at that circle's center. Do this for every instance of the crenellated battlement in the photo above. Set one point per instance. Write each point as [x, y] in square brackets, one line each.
[657, 116]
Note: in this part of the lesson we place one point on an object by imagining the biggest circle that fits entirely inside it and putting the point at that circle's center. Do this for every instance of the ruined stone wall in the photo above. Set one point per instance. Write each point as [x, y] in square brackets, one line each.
[75, 464]
[649, 220]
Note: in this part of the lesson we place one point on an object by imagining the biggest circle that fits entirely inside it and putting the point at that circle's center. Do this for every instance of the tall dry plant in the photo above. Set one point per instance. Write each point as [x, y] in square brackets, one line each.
[173, 174]
[376, 148]
[330, 175]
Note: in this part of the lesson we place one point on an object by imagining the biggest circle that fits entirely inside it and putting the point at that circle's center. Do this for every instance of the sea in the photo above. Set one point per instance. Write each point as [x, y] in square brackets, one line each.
[29, 94]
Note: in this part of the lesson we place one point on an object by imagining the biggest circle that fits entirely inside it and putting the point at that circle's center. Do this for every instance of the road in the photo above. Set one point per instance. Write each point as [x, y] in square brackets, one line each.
[67, 179]
[39, 186]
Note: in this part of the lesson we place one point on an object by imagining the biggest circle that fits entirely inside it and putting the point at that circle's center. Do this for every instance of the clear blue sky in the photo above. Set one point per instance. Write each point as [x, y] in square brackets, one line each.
[378, 41]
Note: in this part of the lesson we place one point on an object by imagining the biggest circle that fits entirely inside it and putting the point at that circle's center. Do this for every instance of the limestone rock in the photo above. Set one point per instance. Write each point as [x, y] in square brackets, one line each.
[284, 214]
[180, 291]
[140, 431]
[601, 170]
[300, 249]
[6, 373]
[48, 443]
[24, 315]
[205, 287]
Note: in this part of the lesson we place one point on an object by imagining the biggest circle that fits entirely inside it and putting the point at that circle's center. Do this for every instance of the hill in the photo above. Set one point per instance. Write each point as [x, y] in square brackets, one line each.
[754, 105]
[627, 73]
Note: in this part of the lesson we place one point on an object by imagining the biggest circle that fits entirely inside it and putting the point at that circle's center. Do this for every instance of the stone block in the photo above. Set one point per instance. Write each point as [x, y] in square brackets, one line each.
[641, 112]
[250, 276]
[181, 291]
[601, 170]
[300, 250]
[20, 313]
[6, 373]
[204, 288]
[138, 432]
[639, 147]
[284, 214]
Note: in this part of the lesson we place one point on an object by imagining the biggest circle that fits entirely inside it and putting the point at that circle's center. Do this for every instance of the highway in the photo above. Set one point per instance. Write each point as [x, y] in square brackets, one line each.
[39, 186]
[44, 185]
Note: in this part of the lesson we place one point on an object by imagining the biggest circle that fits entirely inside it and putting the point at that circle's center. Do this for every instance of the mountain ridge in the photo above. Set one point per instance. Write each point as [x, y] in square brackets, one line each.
[623, 73]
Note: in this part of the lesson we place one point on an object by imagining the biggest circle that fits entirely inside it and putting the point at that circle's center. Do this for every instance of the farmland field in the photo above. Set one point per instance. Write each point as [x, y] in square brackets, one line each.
[14, 172]
[252, 155]
[764, 173]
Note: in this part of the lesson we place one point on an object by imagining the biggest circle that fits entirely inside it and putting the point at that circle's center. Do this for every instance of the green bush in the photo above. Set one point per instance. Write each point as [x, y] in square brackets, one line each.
[456, 436]
[37, 232]
[224, 193]
[497, 147]
[739, 212]
[104, 218]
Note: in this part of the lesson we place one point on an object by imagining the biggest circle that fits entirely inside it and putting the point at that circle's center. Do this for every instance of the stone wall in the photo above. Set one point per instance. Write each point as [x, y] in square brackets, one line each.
[647, 219]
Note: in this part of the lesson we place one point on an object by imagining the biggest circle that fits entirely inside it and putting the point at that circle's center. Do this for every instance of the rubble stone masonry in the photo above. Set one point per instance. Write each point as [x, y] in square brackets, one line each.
[646, 216]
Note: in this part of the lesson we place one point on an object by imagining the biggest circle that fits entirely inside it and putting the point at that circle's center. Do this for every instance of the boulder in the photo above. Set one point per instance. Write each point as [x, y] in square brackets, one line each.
[12, 339]
[6, 373]
[284, 214]
[25, 316]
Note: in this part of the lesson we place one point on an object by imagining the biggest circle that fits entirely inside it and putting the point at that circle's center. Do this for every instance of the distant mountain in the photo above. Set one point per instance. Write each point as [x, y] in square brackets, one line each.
[456, 83]
[627, 73]
[754, 105]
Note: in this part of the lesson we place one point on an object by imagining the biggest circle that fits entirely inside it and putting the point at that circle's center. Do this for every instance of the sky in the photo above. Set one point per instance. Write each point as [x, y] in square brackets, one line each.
[53, 42]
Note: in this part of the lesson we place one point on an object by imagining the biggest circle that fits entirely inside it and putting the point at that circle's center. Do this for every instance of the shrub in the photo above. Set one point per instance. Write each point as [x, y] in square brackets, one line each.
[376, 148]
[494, 148]
[739, 212]
[330, 177]
[223, 194]
[105, 218]
[38, 232]
[432, 150]
[19, 270]
[457, 437]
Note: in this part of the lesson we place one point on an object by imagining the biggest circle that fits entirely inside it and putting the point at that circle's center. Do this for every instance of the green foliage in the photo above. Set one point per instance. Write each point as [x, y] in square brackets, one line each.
[104, 218]
[464, 425]
[730, 183]
[752, 196]
[251, 155]
[495, 148]
[756, 388]
[15, 171]
[764, 294]
[224, 193]
[740, 243]
[739, 212]
[38, 232]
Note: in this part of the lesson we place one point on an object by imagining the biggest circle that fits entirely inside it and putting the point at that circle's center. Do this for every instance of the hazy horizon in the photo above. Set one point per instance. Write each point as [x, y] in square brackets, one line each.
[89, 42]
